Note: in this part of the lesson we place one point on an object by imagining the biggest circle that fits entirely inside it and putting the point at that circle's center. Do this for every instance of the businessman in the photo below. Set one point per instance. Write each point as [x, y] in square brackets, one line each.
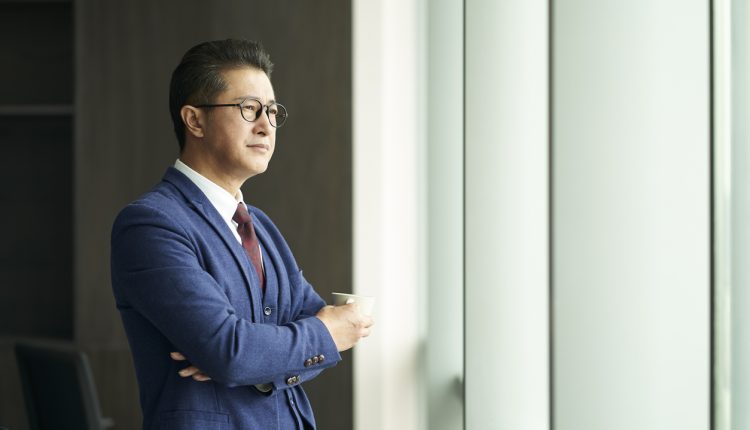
[222, 325]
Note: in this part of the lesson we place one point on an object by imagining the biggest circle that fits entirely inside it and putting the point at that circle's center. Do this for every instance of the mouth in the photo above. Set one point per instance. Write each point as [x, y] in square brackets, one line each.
[260, 147]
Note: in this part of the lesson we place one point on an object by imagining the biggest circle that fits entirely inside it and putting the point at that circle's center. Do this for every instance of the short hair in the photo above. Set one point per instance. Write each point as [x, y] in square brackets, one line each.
[198, 78]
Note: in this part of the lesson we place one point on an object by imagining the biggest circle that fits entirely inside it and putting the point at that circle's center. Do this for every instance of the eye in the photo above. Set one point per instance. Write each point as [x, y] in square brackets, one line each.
[250, 107]
[273, 110]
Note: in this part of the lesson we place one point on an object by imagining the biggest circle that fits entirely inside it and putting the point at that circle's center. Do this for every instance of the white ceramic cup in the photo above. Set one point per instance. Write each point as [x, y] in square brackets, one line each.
[366, 303]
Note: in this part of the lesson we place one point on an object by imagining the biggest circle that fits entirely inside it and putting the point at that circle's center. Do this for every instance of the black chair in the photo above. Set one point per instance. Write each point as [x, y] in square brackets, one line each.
[58, 387]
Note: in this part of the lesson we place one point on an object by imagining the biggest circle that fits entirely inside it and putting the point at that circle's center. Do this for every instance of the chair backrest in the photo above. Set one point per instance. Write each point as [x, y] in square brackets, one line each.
[58, 387]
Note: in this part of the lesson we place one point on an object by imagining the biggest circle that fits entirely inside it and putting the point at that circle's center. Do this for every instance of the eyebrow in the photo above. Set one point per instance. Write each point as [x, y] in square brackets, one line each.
[241, 98]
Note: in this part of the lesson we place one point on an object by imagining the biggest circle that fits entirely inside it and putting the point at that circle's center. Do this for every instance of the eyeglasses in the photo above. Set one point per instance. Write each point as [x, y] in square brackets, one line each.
[250, 109]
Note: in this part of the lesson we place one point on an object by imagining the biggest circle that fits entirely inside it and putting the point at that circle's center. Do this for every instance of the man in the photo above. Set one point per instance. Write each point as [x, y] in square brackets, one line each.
[222, 325]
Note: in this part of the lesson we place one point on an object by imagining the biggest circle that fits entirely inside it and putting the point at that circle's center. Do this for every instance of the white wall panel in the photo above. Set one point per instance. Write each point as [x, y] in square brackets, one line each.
[388, 164]
[631, 220]
[506, 215]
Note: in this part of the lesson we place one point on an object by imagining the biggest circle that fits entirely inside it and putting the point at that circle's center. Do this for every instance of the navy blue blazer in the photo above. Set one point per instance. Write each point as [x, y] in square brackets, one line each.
[182, 282]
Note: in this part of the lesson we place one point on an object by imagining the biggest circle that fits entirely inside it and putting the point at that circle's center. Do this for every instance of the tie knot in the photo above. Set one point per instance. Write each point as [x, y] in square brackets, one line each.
[241, 216]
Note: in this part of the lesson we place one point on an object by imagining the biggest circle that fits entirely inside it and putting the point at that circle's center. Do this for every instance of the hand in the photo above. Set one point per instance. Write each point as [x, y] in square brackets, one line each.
[346, 324]
[191, 370]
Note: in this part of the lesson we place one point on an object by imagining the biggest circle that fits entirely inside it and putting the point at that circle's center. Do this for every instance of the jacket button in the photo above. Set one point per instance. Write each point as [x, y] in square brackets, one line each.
[267, 311]
[316, 359]
[291, 380]
[308, 362]
[321, 357]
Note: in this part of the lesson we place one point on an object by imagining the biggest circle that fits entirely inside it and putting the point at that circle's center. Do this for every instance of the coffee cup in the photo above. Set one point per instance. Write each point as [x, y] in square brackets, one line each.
[366, 303]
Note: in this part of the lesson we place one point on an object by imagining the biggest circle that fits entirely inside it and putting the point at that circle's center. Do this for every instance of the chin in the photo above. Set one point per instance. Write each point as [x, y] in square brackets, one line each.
[258, 169]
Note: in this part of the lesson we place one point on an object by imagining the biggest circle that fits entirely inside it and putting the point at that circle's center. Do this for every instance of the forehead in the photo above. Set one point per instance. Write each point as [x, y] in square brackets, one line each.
[247, 82]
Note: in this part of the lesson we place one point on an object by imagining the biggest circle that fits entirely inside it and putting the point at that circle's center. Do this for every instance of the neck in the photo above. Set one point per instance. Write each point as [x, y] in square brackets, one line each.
[211, 171]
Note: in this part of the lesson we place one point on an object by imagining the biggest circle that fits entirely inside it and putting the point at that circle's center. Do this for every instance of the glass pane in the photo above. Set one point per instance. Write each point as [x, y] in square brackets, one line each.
[732, 212]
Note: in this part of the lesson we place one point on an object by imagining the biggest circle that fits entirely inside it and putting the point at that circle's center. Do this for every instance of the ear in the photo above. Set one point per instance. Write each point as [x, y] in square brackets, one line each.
[193, 119]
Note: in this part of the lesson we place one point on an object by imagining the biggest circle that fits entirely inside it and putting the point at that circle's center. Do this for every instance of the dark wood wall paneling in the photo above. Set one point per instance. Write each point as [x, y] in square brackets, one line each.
[36, 170]
[125, 55]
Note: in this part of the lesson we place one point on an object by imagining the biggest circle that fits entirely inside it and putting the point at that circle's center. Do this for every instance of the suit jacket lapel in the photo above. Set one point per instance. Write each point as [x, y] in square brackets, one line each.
[203, 206]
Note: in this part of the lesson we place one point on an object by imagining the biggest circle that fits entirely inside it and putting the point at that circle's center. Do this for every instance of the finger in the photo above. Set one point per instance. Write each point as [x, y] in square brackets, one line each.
[189, 371]
[365, 322]
[201, 377]
[177, 356]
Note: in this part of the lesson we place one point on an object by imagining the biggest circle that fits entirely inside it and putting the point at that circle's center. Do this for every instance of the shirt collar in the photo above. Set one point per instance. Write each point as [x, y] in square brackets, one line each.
[225, 203]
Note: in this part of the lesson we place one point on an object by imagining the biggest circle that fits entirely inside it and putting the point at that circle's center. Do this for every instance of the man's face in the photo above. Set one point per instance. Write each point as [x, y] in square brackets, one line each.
[241, 149]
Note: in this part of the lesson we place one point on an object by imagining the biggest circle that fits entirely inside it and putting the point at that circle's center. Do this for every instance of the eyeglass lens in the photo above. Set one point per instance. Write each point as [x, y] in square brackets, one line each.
[251, 110]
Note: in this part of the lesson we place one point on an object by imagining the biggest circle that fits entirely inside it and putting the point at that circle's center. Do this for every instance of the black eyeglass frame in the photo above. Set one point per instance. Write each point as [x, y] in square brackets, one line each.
[263, 107]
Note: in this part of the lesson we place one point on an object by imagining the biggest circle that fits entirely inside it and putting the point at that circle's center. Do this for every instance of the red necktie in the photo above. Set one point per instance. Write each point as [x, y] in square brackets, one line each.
[249, 239]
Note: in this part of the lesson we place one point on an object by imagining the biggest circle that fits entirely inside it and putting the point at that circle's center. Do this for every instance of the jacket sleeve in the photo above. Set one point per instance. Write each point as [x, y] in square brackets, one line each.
[156, 270]
[310, 302]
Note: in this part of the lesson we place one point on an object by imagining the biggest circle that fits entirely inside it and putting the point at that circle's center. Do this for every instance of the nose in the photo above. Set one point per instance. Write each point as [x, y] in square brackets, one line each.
[262, 125]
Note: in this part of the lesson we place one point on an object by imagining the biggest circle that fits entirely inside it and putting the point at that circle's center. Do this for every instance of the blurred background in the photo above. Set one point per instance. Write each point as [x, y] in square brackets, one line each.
[548, 198]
